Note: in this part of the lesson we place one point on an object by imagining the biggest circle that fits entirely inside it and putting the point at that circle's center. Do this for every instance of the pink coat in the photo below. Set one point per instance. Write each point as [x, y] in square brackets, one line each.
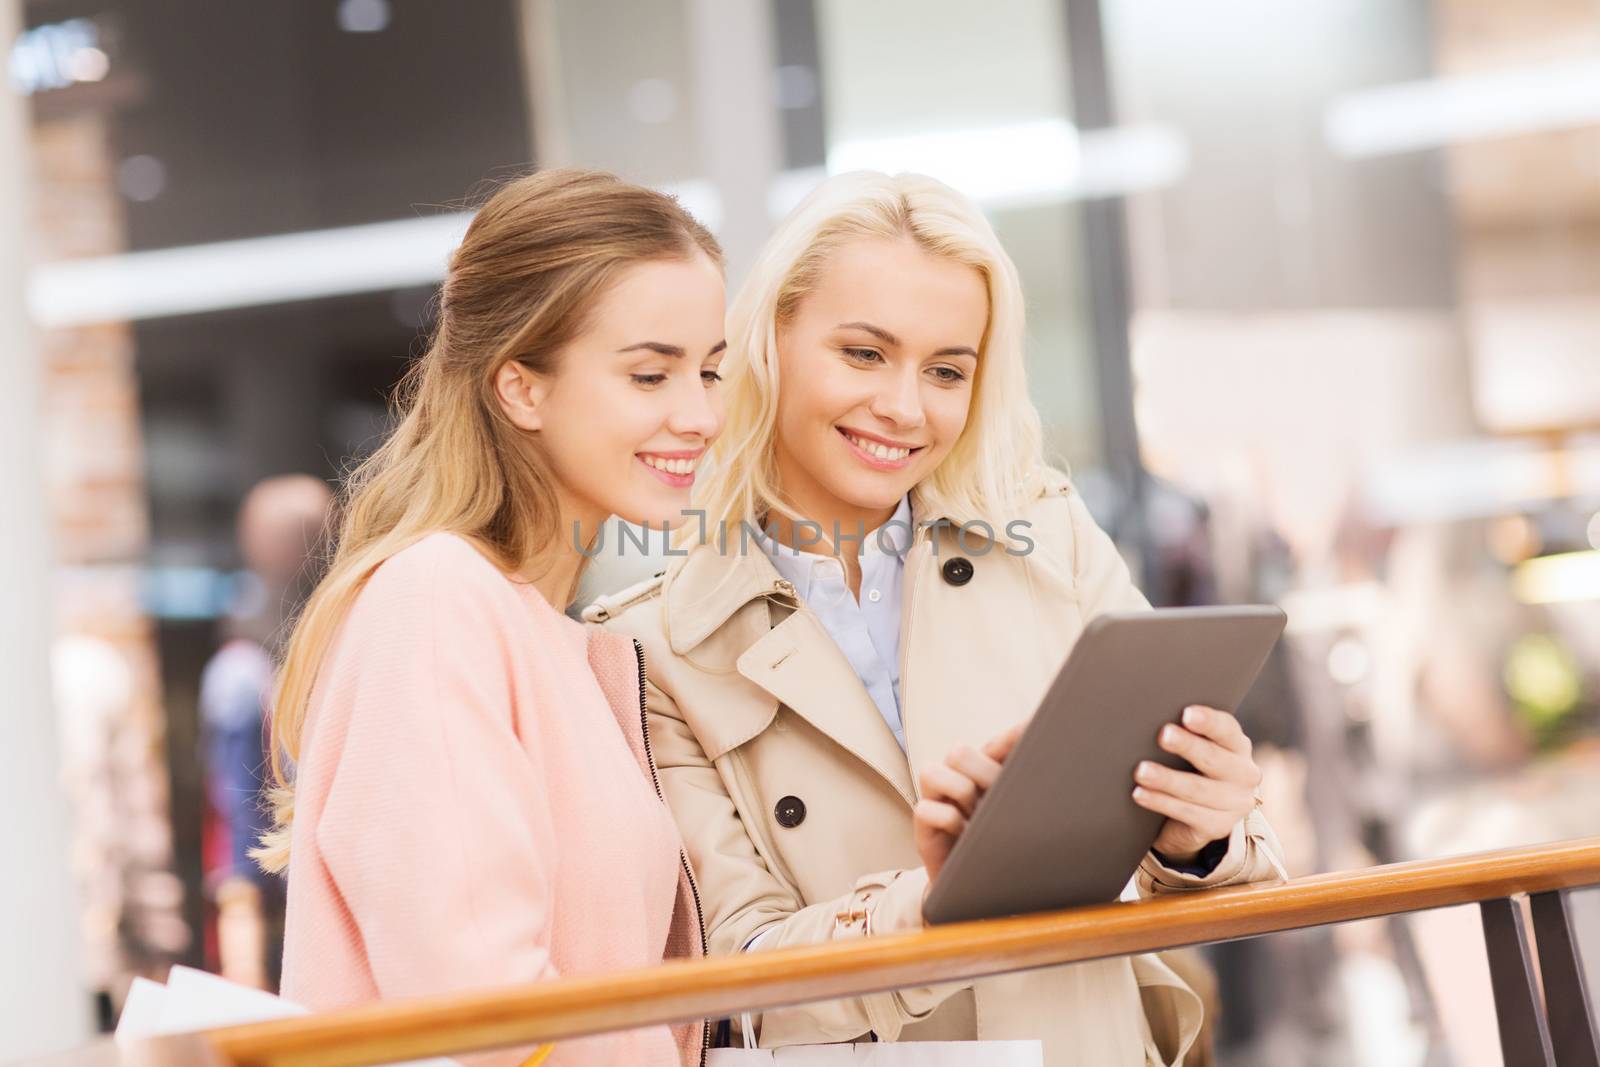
[475, 805]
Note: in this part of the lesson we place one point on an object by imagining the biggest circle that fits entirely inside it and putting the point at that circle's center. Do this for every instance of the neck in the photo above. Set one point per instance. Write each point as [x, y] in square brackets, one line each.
[555, 575]
[825, 519]
[554, 569]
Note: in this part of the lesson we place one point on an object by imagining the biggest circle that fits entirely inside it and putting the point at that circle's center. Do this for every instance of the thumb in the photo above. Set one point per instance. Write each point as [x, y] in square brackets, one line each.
[999, 747]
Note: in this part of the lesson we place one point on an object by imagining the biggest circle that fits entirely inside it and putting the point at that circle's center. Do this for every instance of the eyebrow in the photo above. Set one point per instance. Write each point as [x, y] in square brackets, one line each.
[866, 327]
[890, 339]
[669, 350]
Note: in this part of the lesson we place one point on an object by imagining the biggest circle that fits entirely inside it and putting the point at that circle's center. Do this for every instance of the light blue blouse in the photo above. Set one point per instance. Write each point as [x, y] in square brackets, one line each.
[868, 630]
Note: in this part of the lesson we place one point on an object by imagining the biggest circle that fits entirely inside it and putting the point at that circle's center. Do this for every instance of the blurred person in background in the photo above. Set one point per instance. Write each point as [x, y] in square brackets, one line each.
[472, 802]
[893, 320]
[281, 529]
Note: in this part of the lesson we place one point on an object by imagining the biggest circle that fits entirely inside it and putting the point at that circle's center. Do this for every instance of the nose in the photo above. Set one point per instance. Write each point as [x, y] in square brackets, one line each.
[899, 399]
[696, 412]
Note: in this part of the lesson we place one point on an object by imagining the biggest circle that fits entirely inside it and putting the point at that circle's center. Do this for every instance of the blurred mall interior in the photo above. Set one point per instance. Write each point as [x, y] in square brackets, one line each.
[1314, 301]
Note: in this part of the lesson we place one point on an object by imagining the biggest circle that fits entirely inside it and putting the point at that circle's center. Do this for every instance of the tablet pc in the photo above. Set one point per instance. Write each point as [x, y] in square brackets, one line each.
[1059, 828]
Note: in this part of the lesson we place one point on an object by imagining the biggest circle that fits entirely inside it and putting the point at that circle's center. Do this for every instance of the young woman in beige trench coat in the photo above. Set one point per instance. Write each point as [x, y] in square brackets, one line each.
[820, 760]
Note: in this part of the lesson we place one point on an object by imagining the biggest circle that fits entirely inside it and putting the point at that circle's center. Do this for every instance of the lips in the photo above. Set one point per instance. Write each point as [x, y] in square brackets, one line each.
[673, 468]
[879, 454]
[669, 465]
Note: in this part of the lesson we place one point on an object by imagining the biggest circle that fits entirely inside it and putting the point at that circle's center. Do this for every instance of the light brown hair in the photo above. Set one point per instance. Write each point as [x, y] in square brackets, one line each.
[535, 259]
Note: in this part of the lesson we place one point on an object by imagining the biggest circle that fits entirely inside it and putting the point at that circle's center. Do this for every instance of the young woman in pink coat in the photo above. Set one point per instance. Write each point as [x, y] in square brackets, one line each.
[471, 802]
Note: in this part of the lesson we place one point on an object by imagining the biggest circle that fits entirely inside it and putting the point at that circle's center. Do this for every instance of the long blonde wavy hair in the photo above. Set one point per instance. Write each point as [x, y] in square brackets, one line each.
[536, 257]
[997, 462]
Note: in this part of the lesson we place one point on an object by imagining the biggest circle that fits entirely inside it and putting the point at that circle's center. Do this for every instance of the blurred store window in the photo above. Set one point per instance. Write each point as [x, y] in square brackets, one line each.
[1363, 334]
[240, 217]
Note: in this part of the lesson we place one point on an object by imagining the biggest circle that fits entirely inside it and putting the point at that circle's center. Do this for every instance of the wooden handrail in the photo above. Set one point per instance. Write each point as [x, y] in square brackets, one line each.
[551, 1011]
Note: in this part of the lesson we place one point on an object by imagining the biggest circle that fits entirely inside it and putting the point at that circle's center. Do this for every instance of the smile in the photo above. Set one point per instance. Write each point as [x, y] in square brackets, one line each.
[879, 454]
[676, 471]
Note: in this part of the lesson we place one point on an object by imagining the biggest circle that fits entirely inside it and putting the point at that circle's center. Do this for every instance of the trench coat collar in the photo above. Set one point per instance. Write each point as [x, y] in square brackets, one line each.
[710, 585]
[795, 661]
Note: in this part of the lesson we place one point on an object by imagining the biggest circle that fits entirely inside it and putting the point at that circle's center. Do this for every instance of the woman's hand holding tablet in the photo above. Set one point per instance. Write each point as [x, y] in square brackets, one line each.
[1200, 806]
[1048, 817]
[950, 794]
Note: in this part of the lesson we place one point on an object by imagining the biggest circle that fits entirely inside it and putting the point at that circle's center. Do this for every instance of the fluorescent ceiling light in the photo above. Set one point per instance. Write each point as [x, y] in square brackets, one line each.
[1427, 114]
[229, 274]
[989, 164]
[1044, 160]
[1569, 577]
[1129, 159]
[1479, 478]
[267, 270]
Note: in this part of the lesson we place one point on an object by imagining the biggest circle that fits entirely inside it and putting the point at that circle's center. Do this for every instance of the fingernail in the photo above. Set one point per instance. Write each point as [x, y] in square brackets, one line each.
[1194, 716]
[1169, 734]
[1139, 793]
[1145, 771]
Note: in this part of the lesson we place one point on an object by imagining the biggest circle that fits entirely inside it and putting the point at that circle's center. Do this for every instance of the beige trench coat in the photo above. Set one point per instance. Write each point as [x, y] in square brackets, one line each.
[753, 707]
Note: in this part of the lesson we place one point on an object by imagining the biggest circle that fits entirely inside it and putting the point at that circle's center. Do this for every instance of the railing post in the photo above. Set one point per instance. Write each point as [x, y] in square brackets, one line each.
[1573, 1032]
[1524, 1034]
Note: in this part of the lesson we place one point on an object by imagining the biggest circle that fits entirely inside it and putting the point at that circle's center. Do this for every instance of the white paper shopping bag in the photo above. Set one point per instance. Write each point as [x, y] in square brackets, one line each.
[195, 1000]
[887, 1054]
[141, 1010]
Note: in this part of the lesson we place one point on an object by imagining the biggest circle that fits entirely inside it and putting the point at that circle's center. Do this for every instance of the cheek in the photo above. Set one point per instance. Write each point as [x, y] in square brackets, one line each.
[719, 411]
[577, 445]
[807, 400]
[602, 425]
[631, 425]
[838, 389]
[947, 411]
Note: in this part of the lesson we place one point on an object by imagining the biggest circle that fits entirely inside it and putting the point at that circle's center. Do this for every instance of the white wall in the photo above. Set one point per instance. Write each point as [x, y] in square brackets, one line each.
[43, 1005]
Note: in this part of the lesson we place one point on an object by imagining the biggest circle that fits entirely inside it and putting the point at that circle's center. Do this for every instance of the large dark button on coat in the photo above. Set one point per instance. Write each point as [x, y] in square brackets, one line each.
[791, 812]
[957, 570]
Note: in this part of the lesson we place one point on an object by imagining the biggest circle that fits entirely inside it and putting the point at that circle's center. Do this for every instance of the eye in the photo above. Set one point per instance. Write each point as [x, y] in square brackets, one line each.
[710, 377]
[949, 375]
[648, 379]
[864, 355]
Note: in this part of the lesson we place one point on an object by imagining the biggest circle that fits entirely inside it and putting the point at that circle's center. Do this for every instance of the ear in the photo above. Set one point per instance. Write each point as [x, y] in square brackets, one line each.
[521, 392]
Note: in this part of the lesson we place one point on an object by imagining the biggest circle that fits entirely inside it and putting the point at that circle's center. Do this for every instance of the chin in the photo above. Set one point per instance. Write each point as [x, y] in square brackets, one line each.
[870, 491]
[657, 511]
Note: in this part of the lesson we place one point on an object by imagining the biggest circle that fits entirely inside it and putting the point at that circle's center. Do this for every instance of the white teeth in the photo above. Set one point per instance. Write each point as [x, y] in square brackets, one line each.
[883, 452]
[670, 466]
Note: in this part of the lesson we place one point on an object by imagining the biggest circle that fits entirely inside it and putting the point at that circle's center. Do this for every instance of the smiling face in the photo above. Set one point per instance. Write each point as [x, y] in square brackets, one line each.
[877, 368]
[634, 400]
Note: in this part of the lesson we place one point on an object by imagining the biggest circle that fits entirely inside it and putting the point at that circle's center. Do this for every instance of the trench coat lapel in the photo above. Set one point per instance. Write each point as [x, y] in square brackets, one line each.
[798, 662]
[790, 655]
